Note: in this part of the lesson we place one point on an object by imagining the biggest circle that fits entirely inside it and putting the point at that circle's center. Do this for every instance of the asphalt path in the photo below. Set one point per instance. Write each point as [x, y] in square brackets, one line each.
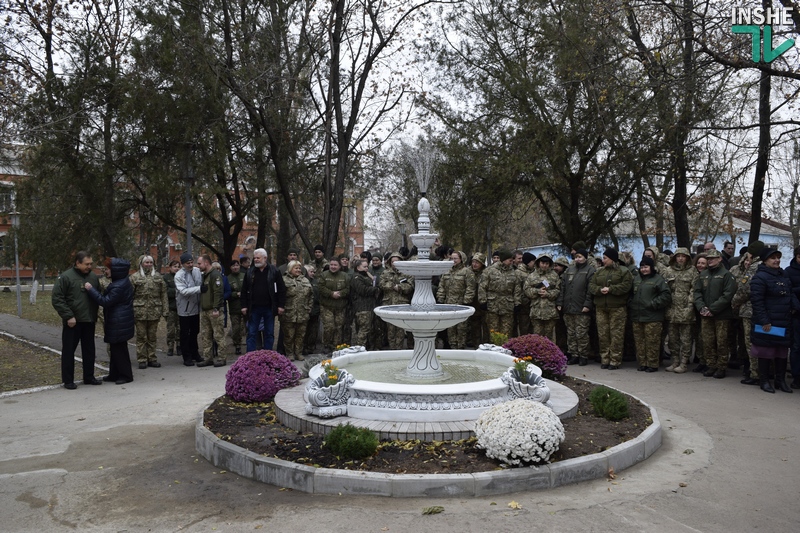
[122, 458]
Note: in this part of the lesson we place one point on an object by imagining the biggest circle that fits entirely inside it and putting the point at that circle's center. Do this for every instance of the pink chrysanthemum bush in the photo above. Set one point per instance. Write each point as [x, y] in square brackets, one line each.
[540, 351]
[258, 376]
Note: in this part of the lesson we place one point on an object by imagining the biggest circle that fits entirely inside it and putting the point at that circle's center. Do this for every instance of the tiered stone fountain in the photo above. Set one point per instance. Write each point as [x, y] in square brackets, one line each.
[433, 386]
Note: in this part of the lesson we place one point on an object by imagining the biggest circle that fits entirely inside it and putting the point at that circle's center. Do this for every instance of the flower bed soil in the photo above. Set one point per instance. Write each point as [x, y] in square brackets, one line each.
[254, 427]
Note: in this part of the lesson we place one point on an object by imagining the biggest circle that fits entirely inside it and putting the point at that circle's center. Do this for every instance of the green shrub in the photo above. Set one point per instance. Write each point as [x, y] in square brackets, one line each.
[350, 442]
[609, 403]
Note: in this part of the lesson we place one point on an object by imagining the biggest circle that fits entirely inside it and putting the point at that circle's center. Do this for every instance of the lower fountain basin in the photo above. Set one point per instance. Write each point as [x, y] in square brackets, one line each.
[425, 400]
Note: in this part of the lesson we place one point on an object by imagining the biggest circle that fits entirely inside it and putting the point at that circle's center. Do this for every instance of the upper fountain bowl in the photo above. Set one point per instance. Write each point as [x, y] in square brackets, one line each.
[423, 268]
[428, 322]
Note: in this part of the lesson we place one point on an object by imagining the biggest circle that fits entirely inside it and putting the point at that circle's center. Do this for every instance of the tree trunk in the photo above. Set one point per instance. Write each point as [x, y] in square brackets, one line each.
[762, 162]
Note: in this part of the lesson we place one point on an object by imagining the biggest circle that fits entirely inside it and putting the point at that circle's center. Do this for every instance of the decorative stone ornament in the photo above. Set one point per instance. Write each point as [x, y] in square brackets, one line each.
[328, 401]
[534, 389]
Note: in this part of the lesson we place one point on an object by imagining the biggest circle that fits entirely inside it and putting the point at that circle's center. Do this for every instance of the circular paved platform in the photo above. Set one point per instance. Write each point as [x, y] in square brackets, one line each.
[333, 481]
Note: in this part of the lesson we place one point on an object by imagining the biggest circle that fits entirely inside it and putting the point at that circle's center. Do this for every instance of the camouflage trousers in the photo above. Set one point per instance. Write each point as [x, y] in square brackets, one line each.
[578, 334]
[680, 342]
[500, 323]
[237, 328]
[647, 337]
[332, 327]
[363, 323]
[715, 342]
[146, 331]
[747, 323]
[561, 334]
[396, 336]
[611, 334]
[545, 328]
[457, 335]
[522, 321]
[173, 329]
[211, 329]
[294, 336]
[347, 327]
[312, 334]
[377, 336]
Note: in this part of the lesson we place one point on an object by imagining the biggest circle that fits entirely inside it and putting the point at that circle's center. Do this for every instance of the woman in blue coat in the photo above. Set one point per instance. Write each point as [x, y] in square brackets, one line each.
[773, 304]
[118, 329]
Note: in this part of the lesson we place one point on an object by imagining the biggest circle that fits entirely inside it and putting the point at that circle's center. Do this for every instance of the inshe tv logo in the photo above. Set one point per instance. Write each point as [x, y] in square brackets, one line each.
[758, 22]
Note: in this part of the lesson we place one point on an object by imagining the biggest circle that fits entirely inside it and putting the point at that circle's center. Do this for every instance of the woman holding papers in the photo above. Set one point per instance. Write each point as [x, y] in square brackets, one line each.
[773, 305]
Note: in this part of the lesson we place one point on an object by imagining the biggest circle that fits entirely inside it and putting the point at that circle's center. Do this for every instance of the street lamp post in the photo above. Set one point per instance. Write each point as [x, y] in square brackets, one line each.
[15, 223]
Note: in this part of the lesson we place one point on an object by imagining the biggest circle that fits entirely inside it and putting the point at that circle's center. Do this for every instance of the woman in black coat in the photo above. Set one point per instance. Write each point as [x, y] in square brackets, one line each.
[118, 329]
[773, 304]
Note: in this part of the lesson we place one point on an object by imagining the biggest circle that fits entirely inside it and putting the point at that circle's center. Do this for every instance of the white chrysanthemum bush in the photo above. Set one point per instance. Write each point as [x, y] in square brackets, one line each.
[519, 432]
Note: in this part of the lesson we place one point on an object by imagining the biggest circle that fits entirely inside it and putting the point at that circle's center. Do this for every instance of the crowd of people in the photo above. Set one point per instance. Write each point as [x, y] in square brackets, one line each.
[726, 312]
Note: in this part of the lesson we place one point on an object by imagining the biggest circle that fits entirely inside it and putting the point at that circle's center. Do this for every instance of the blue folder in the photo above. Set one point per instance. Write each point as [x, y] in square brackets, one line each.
[774, 330]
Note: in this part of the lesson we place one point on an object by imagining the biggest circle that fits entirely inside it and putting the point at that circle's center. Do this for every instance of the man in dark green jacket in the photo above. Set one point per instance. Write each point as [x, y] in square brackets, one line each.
[334, 293]
[211, 325]
[78, 314]
[713, 293]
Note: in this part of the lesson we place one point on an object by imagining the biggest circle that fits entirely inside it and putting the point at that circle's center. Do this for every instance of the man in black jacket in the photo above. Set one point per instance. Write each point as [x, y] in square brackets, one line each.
[263, 298]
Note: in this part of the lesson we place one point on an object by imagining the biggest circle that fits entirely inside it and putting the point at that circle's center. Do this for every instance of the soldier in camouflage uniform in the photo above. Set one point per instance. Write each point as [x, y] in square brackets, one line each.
[499, 294]
[523, 267]
[743, 272]
[173, 324]
[457, 287]
[397, 289]
[542, 288]
[477, 333]
[680, 276]
[575, 301]
[236, 280]
[299, 298]
[648, 304]
[334, 292]
[364, 294]
[211, 304]
[610, 288]
[713, 293]
[150, 303]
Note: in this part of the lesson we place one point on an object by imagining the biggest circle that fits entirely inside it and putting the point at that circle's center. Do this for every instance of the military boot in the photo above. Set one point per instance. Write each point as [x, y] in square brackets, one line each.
[675, 363]
[683, 367]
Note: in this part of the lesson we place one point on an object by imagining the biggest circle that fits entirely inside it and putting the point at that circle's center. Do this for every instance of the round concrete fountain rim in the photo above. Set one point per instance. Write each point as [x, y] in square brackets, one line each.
[408, 388]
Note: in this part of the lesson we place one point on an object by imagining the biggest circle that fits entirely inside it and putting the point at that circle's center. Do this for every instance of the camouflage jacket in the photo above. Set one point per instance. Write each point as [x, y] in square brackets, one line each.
[681, 284]
[299, 298]
[741, 304]
[500, 289]
[149, 296]
[392, 277]
[523, 272]
[543, 307]
[457, 286]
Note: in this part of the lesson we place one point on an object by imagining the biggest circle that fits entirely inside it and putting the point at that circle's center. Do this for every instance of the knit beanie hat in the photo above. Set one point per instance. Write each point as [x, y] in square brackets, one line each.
[527, 257]
[186, 257]
[755, 248]
[503, 254]
[612, 254]
[647, 261]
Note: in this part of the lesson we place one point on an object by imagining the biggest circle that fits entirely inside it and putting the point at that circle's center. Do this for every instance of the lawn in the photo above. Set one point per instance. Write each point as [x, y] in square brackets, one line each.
[42, 311]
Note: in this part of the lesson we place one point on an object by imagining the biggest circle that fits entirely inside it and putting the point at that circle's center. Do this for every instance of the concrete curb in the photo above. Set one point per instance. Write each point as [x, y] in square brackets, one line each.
[333, 481]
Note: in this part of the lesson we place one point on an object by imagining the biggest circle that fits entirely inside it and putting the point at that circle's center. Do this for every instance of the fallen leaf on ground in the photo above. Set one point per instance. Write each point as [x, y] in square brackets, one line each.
[683, 484]
[514, 505]
[436, 509]
[611, 474]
